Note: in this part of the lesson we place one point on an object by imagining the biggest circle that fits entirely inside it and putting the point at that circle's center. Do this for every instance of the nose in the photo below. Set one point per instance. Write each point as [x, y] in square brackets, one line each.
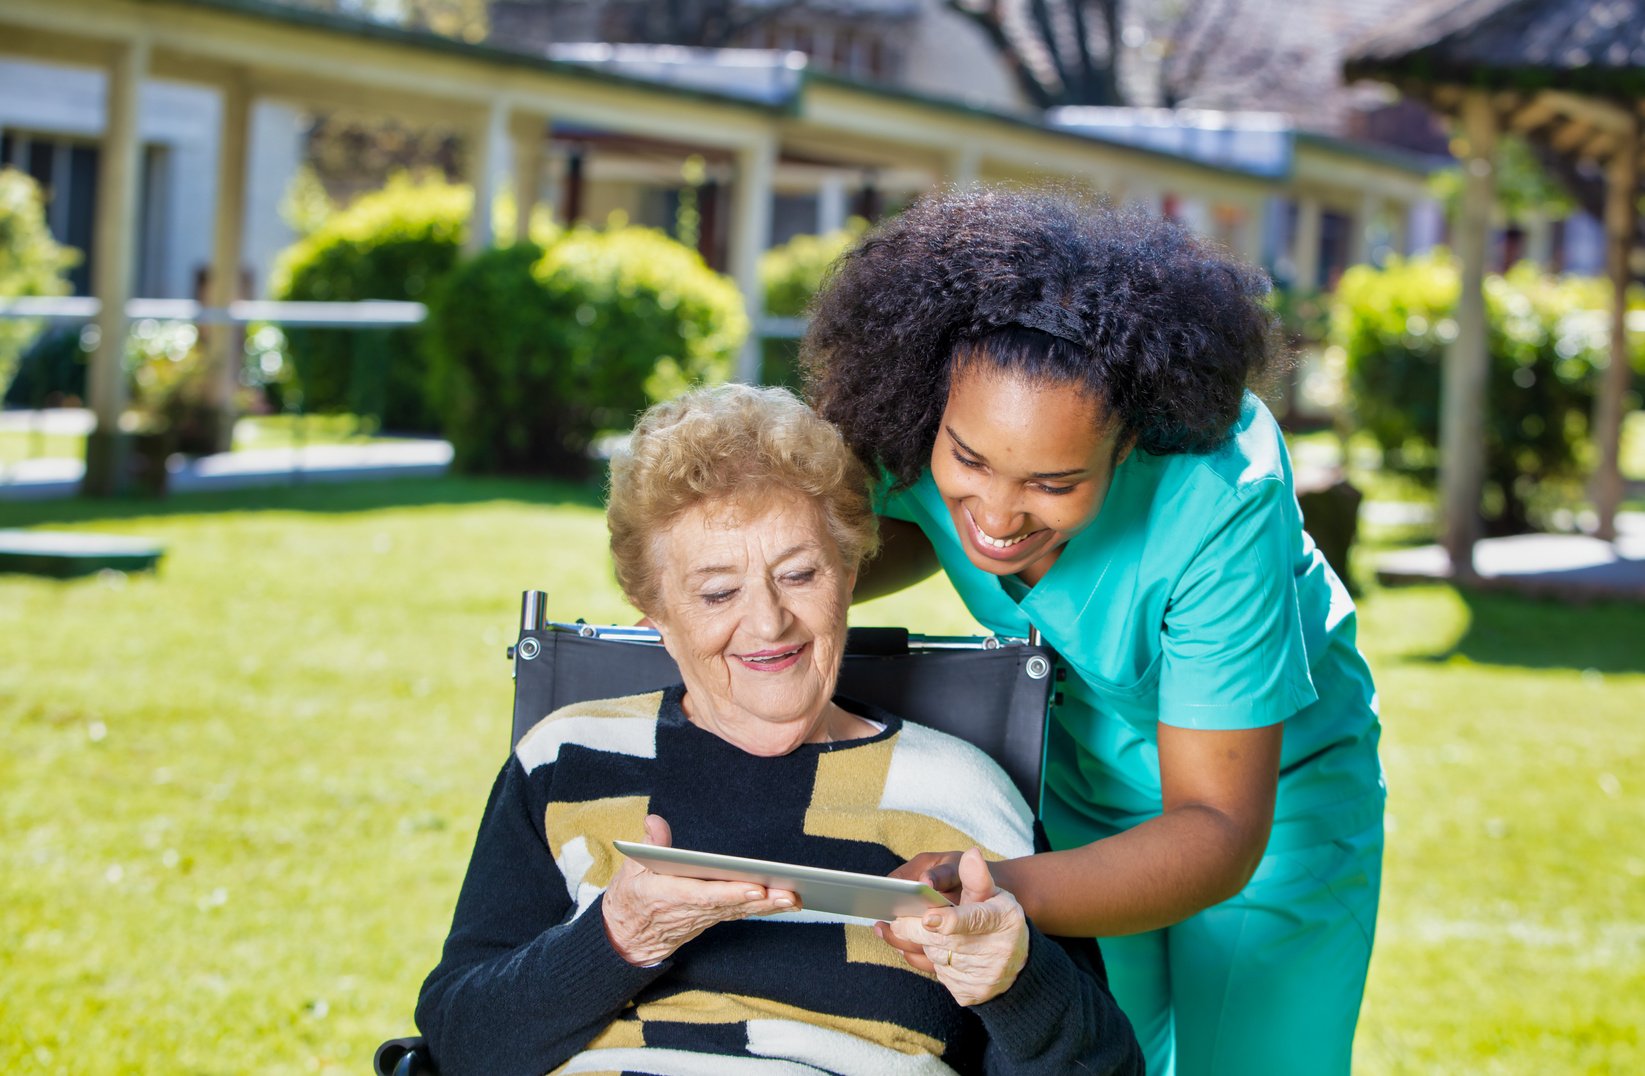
[767, 615]
[996, 511]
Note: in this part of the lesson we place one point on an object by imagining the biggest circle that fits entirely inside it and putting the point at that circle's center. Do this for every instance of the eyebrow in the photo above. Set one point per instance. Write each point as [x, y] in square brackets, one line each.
[719, 569]
[1037, 474]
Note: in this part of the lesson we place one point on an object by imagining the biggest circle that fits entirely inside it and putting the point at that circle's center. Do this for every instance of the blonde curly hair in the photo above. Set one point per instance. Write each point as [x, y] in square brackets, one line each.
[733, 442]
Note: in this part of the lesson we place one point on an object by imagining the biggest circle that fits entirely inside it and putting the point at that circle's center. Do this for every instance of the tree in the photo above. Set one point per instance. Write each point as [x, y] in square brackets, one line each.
[1132, 52]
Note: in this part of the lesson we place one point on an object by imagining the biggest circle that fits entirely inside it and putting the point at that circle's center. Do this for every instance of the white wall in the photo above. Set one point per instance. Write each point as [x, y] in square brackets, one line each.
[947, 56]
[49, 100]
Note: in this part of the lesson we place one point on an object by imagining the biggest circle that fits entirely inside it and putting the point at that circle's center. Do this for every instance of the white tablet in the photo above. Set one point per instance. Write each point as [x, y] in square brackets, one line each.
[867, 896]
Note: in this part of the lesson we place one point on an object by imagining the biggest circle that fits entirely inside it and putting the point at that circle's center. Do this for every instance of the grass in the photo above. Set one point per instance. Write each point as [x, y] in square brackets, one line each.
[240, 793]
[252, 432]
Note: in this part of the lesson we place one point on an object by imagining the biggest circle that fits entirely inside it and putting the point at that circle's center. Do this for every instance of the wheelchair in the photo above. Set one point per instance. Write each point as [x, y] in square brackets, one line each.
[994, 692]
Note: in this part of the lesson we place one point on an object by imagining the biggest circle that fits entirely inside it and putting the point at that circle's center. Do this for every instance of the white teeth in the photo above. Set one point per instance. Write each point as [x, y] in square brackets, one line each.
[989, 540]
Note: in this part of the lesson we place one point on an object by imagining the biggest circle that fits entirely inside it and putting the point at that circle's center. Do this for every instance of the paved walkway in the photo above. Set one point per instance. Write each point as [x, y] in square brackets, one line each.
[42, 479]
[1567, 567]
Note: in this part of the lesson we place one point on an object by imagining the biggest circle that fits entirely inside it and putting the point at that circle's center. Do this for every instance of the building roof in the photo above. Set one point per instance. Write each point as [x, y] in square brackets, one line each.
[1589, 46]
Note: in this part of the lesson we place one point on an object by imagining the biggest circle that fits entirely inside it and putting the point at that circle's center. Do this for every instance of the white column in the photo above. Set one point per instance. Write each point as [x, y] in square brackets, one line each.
[1305, 242]
[750, 235]
[114, 250]
[530, 133]
[1463, 393]
[1621, 215]
[963, 167]
[488, 138]
[832, 199]
[1362, 239]
[1249, 233]
[228, 231]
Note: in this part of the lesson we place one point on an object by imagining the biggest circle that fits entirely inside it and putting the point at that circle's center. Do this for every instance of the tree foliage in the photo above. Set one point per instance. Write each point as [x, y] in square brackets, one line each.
[31, 261]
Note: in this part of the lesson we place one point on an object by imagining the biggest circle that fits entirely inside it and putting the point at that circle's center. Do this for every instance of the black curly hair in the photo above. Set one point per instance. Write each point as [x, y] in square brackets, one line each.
[1164, 329]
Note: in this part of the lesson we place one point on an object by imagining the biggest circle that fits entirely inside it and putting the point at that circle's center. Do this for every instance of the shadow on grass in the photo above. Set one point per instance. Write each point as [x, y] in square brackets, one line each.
[325, 497]
[1508, 630]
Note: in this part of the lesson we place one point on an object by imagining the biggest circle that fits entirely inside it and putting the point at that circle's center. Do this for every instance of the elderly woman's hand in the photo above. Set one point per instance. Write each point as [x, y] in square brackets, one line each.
[976, 948]
[649, 915]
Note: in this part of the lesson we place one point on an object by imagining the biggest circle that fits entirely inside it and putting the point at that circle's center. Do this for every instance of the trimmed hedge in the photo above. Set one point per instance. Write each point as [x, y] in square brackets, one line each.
[396, 243]
[789, 276]
[1547, 338]
[533, 352]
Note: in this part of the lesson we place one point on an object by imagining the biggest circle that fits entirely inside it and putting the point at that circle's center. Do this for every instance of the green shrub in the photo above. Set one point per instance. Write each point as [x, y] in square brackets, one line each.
[396, 243]
[31, 262]
[1546, 337]
[533, 351]
[789, 276]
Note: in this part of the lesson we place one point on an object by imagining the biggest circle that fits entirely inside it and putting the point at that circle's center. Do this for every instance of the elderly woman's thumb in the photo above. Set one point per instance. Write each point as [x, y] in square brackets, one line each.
[657, 831]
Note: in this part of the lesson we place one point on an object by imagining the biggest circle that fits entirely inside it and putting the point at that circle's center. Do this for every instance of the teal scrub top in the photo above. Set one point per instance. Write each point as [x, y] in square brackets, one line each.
[1194, 599]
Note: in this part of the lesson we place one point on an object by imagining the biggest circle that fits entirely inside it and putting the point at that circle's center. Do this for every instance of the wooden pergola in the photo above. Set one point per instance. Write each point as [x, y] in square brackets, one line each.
[1569, 77]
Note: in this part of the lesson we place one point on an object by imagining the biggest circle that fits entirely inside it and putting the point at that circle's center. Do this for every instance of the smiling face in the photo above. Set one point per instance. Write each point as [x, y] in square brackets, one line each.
[752, 609]
[1023, 466]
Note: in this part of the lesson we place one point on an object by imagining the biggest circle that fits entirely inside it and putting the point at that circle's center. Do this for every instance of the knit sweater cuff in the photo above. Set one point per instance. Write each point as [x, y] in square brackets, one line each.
[605, 981]
[1026, 1019]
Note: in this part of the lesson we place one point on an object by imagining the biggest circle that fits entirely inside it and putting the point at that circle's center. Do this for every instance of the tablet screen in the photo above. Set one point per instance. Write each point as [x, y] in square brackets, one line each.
[864, 896]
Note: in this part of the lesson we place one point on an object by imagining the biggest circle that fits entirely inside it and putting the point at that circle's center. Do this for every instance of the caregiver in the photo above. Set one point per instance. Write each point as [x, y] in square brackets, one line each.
[1055, 395]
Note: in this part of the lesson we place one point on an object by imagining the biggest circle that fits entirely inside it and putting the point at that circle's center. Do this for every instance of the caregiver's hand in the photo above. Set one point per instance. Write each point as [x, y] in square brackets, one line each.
[977, 948]
[649, 915]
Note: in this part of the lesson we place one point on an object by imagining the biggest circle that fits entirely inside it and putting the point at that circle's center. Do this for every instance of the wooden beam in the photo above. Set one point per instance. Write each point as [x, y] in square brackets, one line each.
[1592, 110]
[1533, 115]
[1467, 362]
[1574, 133]
[1621, 197]
[1601, 147]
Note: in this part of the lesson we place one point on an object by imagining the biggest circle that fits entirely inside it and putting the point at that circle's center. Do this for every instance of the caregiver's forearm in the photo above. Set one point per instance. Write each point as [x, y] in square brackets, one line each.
[1151, 876]
[905, 558]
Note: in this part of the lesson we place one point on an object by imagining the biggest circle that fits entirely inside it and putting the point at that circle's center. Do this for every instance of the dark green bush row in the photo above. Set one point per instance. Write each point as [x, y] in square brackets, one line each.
[533, 352]
[1547, 338]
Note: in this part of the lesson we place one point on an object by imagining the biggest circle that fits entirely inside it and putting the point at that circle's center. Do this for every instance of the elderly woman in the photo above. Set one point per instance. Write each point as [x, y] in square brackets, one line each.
[738, 523]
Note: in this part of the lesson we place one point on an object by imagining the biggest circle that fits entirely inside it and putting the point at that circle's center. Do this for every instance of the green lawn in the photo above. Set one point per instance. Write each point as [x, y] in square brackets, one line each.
[240, 793]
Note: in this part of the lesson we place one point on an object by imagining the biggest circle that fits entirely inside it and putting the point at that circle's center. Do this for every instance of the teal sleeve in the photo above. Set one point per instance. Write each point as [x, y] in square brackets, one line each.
[1233, 650]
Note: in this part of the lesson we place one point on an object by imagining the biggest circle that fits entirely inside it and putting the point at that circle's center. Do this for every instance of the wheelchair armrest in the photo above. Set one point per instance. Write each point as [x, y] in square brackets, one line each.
[404, 1057]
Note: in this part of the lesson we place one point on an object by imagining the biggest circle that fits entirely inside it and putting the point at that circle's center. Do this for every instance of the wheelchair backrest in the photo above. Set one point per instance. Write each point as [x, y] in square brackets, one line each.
[992, 692]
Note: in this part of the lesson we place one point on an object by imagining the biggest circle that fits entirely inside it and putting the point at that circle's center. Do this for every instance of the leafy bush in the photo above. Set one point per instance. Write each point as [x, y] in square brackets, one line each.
[1546, 337]
[396, 243]
[31, 261]
[534, 351]
[789, 276]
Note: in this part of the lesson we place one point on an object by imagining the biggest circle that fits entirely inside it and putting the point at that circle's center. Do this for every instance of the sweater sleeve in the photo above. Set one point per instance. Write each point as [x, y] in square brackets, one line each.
[523, 983]
[1059, 1016]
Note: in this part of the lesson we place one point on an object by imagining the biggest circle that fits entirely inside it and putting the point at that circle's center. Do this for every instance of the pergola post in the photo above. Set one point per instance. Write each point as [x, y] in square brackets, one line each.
[1467, 362]
[750, 232]
[530, 133]
[1305, 242]
[228, 227]
[1621, 188]
[114, 251]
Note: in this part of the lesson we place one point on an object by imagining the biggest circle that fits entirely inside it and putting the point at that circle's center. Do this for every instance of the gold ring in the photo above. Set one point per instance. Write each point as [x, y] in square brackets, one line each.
[950, 961]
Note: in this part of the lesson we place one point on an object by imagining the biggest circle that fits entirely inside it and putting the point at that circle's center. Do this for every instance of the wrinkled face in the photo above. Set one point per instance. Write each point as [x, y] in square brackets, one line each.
[1023, 466]
[752, 609]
